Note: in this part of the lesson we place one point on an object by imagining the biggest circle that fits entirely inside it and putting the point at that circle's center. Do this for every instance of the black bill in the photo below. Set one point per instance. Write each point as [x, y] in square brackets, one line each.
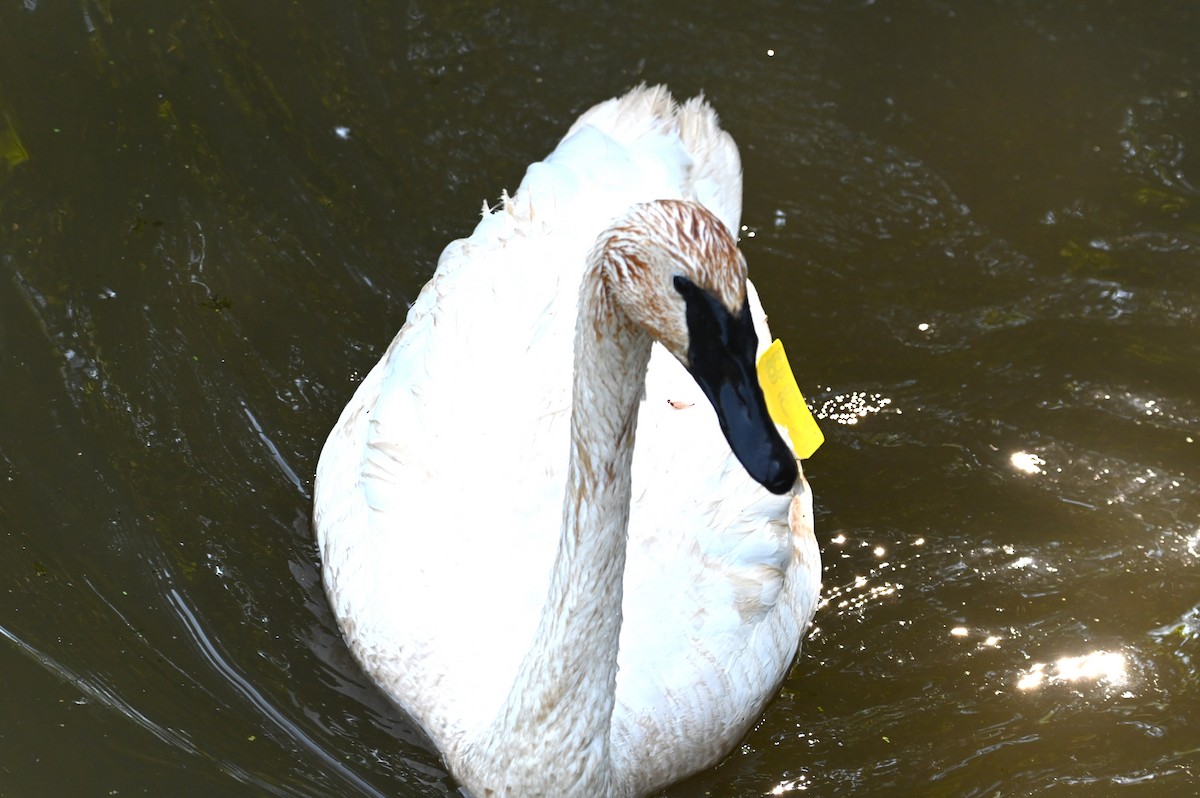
[721, 358]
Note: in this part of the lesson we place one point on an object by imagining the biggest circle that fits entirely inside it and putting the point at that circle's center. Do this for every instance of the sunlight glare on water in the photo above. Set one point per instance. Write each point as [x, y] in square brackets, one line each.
[1027, 462]
[1102, 669]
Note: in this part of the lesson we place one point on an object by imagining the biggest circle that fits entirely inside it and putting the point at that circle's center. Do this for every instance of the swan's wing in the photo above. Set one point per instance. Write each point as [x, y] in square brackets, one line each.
[439, 491]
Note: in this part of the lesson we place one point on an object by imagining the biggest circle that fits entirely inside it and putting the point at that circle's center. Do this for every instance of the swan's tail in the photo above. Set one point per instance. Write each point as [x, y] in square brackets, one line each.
[715, 177]
[717, 169]
[630, 116]
[639, 147]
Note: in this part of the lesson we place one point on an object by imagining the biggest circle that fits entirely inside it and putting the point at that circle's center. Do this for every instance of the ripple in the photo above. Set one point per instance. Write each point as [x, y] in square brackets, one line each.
[1153, 147]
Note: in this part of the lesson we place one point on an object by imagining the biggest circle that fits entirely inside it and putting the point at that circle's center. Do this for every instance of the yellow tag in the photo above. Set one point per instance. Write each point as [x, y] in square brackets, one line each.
[785, 403]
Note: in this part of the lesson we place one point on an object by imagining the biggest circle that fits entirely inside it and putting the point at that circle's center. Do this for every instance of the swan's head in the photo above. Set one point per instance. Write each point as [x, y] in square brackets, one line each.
[674, 269]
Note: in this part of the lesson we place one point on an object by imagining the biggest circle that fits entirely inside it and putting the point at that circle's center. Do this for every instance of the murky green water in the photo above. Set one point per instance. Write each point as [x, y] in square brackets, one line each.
[976, 225]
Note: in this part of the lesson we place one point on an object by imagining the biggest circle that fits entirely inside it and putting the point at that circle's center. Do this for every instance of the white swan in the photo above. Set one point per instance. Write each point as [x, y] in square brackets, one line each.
[473, 501]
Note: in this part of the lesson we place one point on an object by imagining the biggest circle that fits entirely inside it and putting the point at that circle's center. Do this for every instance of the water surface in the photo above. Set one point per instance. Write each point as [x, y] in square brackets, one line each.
[975, 224]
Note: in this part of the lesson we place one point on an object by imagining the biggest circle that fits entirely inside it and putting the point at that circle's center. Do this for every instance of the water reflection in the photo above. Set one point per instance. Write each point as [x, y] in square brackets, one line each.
[865, 590]
[800, 784]
[1027, 462]
[1104, 669]
[852, 406]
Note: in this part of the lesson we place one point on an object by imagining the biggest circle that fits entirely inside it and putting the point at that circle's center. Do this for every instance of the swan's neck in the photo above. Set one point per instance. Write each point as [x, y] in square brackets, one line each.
[552, 734]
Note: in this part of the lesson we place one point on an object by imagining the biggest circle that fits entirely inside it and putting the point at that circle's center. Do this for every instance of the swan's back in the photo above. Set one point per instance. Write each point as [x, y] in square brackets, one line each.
[440, 490]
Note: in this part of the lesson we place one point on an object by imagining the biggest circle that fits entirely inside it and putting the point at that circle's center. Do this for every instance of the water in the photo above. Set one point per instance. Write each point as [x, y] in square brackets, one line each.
[975, 224]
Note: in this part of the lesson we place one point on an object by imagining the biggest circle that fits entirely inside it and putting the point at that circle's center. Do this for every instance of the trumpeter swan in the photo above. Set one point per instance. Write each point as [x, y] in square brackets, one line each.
[564, 612]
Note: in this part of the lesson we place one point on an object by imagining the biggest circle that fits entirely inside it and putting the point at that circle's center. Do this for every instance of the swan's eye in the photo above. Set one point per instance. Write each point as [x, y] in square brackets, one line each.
[710, 322]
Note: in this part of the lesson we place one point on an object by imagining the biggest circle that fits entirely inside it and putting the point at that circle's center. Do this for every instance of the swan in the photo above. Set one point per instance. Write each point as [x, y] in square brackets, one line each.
[563, 611]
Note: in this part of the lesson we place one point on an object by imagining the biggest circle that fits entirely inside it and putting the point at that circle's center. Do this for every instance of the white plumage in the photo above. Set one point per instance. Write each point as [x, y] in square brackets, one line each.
[439, 503]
